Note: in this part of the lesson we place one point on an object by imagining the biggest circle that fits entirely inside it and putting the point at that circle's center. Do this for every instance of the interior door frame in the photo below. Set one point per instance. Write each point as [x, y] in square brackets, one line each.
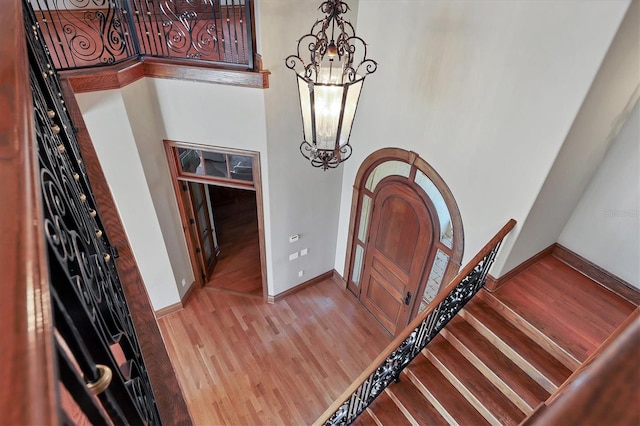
[178, 176]
[415, 163]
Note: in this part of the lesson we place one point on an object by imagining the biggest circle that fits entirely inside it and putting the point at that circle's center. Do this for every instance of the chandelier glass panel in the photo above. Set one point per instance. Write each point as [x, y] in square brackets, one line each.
[330, 65]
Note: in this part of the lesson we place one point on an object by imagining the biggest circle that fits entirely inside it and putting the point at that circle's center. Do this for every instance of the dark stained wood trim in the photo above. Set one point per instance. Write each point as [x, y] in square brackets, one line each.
[256, 186]
[258, 63]
[353, 218]
[106, 78]
[28, 394]
[416, 163]
[189, 294]
[169, 398]
[257, 178]
[175, 307]
[596, 273]
[378, 157]
[493, 284]
[168, 68]
[308, 283]
[122, 74]
[184, 214]
[452, 206]
[340, 279]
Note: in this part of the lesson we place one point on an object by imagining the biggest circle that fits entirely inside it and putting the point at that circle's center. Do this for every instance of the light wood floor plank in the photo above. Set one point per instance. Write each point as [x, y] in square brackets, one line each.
[241, 361]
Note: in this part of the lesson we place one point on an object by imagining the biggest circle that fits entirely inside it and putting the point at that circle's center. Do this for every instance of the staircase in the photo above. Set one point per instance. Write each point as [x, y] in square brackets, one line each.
[505, 353]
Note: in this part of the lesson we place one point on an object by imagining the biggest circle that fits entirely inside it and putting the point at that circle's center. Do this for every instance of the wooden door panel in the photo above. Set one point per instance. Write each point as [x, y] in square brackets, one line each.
[401, 242]
[398, 238]
[394, 281]
[381, 303]
[201, 228]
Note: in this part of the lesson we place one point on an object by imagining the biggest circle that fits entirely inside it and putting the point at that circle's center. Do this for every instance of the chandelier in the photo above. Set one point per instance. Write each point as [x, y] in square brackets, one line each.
[330, 65]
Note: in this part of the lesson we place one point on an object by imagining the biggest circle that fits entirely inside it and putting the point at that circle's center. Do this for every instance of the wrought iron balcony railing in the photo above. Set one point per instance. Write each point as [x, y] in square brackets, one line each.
[90, 33]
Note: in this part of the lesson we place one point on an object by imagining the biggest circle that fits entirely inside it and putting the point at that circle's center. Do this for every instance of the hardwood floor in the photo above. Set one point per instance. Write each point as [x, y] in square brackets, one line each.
[241, 361]
[236, 219]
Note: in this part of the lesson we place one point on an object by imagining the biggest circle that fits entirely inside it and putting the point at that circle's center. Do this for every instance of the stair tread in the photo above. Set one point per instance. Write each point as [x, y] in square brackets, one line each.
[415, 403]
[574, 310]
[444, 392]
[475, 383]
[364, 419]
[525, 347]
[491, 357]
[387, 412]
[548, 340]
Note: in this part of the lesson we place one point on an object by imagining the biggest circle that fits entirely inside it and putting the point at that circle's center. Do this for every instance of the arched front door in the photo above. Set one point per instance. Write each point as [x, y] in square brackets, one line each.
[400, 250]
[406, 236]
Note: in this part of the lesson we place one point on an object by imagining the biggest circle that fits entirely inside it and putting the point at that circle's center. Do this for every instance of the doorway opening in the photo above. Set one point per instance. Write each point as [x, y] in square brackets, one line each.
[220, 202]
[238, 266]
[405, 236]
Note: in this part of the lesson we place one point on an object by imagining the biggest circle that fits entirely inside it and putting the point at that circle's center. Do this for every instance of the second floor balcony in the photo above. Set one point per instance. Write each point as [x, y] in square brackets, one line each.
[91, 33]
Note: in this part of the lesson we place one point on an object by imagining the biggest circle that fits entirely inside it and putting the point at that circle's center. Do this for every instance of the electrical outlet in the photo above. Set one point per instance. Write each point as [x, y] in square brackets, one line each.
[293, 256]
[304, 252]
[300, 273]
[184, 282]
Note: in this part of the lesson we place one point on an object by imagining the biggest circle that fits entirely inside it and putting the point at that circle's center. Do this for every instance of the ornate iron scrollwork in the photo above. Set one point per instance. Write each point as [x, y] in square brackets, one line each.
[438, 317]
[83, 33]
[90, 309]
[87, 33]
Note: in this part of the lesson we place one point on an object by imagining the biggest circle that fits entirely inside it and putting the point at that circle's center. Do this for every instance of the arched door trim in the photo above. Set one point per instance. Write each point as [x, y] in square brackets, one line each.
[415, 164]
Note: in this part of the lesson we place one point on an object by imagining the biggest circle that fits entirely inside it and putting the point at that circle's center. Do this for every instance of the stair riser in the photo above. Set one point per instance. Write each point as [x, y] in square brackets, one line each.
[462, 389]
[509, 352]
[431, 398]
[531, 331]
[488, 373]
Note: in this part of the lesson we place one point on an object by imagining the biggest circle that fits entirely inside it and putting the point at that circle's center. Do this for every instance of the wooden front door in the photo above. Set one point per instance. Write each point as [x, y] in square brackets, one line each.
[399, 250]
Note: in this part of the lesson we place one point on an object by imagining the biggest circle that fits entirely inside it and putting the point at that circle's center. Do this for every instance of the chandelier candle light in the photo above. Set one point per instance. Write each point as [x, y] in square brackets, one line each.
[329, 84]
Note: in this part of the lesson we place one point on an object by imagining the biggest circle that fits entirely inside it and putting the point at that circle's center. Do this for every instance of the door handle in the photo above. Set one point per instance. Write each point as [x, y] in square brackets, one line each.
[407, 298]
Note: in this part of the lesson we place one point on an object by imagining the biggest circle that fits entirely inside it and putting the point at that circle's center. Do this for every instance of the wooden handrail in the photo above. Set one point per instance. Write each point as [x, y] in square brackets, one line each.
[604, 390]
[27, 392]
[395, 344]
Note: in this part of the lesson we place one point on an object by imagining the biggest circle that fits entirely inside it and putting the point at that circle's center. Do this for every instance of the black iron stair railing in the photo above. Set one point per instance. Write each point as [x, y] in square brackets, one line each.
[387, 367]
[97, 353]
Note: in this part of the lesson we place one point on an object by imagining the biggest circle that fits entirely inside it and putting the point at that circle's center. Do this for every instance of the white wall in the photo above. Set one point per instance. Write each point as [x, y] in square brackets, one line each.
[486, 92]
[598, 121]
[304, 200]
[148, 130]
[106, 118]
[605, 226]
